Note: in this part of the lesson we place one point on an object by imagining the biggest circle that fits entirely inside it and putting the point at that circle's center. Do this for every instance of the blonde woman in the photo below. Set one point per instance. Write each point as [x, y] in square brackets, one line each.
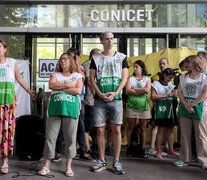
[192, 90]
[66, 85]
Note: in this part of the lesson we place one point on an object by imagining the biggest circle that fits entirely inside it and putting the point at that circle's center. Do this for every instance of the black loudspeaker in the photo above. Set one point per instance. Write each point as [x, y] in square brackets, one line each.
[30, 137]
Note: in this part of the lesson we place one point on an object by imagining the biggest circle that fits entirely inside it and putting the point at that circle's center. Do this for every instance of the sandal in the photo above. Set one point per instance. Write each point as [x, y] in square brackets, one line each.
[69, 172]
[4, 170]
[44, 171]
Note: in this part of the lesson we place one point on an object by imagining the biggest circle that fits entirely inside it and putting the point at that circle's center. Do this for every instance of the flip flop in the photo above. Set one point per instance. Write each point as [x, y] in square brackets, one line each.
[69, 172]
[4, 170]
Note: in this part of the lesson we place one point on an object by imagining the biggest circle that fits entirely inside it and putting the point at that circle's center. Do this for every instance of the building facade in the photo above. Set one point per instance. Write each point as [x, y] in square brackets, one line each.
[44, 29]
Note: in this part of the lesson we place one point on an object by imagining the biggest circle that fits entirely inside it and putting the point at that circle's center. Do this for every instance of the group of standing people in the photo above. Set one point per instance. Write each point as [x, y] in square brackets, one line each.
[106, 76]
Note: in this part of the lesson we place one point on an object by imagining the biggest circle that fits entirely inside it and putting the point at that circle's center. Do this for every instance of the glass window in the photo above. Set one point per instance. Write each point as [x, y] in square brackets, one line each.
[16, 45]
[104, 15]
[140, 46]
[91, 43]
[194, 42]
[14, 15]
[46, 48]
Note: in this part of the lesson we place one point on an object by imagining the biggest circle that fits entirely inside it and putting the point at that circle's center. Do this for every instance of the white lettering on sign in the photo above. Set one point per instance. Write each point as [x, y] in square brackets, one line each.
[122, 15]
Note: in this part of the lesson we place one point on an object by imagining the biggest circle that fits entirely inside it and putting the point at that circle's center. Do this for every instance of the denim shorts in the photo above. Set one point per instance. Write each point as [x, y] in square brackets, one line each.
[114, 108]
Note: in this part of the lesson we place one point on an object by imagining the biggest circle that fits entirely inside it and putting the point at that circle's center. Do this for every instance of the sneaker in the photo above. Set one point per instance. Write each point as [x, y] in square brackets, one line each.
[158, 155]
[204, 166]
[117, 167]
[109, 151]
[150, 150]
[100, 165]
[173, 154]
[143, 154]
[86, 158]
[180, 163]
[58, 157]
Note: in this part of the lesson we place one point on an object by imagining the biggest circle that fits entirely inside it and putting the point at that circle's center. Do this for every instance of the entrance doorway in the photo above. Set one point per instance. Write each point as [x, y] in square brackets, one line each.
[52, 46]
[46, 48]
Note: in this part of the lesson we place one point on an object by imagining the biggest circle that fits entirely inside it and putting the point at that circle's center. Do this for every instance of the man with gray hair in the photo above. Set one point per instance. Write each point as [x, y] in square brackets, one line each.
[110, 69]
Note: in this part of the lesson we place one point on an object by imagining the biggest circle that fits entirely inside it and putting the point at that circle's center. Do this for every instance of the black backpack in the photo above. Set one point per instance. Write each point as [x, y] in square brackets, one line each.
[135, 148]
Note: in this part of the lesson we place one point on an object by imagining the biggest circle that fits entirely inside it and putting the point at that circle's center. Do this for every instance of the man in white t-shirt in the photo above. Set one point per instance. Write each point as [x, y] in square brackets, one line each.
[110, 69]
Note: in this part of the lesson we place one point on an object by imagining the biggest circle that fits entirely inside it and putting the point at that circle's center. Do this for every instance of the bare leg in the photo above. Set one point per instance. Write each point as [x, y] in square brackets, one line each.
[5, 166]
[116, 130]
[5, 162]
[101, 141]
[169, 138]
[109, 133]
[153, 136]
[143, 124]
[160, 133]
[68, 163]
[131, 125]
[87, 142]
[47, 163]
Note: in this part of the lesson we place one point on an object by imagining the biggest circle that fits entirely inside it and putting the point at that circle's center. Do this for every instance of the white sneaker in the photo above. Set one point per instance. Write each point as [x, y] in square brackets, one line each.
[204, 166]
[180, 163]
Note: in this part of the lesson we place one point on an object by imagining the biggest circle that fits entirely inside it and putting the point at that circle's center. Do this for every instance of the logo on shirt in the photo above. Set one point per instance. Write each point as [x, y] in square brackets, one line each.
[190, 89]
[139, 84]
[110, 69]
[3, 72]
[165, 91]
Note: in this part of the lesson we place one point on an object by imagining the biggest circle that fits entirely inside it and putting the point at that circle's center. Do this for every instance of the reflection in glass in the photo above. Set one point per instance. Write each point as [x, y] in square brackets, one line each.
[16, 45]
[141, 46]
[91, 43]
[194, 42]
[79, 16]
[46, 48]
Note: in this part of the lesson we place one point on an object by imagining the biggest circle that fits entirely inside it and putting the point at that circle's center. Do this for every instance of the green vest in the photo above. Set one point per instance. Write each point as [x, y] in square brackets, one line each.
[65, 104]
[163, 109]
[7, 92]
[198, 108]
[139, 102]
[109, 84]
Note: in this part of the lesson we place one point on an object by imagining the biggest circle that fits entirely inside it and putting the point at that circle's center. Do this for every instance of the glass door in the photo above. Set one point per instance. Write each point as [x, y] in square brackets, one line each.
[47, 49]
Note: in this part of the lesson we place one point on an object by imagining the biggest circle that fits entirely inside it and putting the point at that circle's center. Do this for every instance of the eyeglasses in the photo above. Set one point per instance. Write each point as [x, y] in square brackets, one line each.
[63, 59]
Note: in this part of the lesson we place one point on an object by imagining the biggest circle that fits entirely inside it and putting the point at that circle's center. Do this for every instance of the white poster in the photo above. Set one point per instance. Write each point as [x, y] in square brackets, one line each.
[23, 98]
[47, 67]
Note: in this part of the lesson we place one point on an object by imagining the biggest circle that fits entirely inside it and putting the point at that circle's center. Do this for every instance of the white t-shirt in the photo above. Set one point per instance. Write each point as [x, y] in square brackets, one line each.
[163, 89]
[65, 79]
[138, 83]
[192, 88]
[89, 97]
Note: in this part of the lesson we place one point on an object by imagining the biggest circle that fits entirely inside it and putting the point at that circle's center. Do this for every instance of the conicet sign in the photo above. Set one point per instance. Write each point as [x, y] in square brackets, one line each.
[121, 15]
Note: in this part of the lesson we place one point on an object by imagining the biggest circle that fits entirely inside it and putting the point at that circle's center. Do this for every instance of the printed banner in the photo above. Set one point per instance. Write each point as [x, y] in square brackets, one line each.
[23, 98]
[47, 67]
